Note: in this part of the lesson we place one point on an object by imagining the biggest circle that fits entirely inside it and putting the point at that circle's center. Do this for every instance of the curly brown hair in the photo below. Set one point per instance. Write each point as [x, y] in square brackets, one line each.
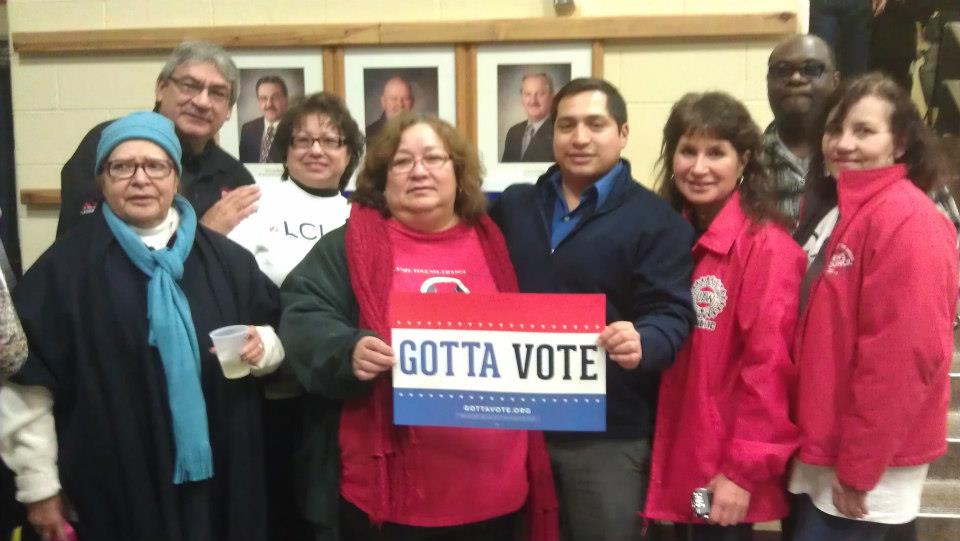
[470, 202]
[720, 115]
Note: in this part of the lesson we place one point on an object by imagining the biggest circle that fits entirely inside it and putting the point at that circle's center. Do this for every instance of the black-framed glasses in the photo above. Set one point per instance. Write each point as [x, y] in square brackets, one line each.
[126, 169]
[192, 88]
[327, 142]
[405, 164]
[808, 70]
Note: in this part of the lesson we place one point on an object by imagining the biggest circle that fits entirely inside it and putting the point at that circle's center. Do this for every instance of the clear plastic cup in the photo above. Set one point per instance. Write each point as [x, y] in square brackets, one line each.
[229, 342]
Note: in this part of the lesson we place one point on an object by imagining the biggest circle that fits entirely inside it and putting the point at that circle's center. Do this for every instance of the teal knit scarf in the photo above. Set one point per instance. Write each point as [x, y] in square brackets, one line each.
[173, 334]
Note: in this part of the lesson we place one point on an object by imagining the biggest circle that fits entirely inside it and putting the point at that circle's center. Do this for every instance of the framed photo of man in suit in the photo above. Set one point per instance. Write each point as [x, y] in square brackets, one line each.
[382, 82]
[269, 83]
[515, 88]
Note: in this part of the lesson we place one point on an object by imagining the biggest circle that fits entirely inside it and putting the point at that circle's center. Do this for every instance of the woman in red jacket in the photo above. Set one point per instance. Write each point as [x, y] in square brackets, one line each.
[722, 418]
[874, 340]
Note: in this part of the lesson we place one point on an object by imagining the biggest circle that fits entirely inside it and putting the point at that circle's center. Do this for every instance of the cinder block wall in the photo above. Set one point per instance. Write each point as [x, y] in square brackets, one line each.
[56, 99]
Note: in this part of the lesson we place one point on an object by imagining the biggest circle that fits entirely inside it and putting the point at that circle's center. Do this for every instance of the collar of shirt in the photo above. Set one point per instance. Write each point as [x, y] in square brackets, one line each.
[208, 162]
[536, 125]
[267, 124]
[563, 220]
[775, 148]
[158, 237]
[724, 229]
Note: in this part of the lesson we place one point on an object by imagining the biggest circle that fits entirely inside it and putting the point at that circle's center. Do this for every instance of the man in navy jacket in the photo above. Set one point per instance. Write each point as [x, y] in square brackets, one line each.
[587, 226]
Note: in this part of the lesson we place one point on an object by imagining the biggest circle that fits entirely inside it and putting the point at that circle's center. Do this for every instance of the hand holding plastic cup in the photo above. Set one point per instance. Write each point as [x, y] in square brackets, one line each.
[229, 343]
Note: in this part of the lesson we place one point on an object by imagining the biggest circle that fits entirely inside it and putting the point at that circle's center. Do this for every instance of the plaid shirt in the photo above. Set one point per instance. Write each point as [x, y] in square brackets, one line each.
[788, 171]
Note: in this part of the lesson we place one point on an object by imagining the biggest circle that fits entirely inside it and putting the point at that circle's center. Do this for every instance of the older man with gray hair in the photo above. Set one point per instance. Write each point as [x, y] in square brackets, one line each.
[196, 89]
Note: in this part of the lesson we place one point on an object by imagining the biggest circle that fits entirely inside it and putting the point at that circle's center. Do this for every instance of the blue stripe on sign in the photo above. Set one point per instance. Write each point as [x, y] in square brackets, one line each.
[520, 411]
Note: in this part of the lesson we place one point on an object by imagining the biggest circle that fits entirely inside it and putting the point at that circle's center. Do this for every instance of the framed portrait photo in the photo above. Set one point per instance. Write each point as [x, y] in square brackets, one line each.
[515, 88]
[270, 81]
[382, 82]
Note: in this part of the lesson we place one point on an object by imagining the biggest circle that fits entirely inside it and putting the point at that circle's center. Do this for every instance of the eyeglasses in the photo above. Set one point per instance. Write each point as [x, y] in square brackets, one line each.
[405, 164]
[126, 169]
[327, 142]
[808, 70]
[192, 88]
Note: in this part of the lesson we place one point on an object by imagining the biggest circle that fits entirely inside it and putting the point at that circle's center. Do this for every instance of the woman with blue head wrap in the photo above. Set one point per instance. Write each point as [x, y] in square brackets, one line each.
[121, 419]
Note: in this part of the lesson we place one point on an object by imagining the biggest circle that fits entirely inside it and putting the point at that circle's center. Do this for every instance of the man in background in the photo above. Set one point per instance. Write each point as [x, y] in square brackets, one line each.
[801, 77]
[196, 89]
[397, 96]
[532, 139]
[256, 136]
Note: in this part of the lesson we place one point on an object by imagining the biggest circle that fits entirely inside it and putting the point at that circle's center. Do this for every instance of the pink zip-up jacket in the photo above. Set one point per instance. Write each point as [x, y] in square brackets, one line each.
[724, 405]
[875, 341]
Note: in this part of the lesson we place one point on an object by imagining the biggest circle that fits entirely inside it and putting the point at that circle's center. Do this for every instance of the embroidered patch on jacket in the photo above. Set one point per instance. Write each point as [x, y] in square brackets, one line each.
[88, 207]
[842, 258]
[709, 299]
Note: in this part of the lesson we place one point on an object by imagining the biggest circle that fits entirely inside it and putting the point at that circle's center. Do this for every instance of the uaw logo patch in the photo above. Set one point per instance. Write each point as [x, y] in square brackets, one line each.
[709, 299]
[842, 258]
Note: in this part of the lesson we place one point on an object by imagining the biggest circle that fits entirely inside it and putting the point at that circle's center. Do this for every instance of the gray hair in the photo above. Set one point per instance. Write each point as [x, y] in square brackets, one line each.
[203, 51]
[542, 75]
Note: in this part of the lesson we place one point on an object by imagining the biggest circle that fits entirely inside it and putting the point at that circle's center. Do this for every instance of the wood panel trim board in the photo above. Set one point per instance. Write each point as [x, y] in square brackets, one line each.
[466, 35]
[544, 29]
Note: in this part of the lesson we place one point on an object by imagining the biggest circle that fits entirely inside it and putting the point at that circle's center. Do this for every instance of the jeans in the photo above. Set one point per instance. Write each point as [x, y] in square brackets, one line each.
[845, 25]
[812, 524]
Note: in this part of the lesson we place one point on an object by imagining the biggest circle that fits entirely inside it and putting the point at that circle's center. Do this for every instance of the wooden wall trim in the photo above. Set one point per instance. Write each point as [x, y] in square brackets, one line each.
[596, 59]
[466, 84]
[41, 197]
[333, 76]
[738, 26]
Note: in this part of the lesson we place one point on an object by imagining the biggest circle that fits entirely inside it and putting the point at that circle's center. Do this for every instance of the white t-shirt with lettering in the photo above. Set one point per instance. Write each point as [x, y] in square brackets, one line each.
[286, 225]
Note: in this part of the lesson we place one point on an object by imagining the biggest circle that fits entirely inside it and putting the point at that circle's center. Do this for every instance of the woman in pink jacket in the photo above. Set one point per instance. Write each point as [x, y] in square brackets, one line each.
[874, 340]
[722, 418]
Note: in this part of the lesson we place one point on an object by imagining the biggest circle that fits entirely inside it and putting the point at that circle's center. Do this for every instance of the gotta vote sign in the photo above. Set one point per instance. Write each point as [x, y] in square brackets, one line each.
[519, 361]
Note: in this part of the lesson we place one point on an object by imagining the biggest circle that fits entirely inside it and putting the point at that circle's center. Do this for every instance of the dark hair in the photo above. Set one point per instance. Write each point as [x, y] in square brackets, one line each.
[721, 116]
[615, 104]
[271, 79]
[924, 166]
[470, 203]
[323, 104]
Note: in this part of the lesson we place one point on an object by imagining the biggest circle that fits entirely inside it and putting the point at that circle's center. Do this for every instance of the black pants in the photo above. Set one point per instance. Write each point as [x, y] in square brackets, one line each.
[282, 427]
[356, 526]
[709, 532]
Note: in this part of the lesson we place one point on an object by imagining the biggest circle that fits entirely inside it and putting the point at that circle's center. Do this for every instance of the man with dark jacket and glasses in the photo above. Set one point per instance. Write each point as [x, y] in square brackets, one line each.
[196, 89]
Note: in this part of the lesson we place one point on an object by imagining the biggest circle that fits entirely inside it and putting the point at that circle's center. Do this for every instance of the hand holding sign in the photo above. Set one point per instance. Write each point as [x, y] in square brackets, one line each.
[622, 342]
[371, 356]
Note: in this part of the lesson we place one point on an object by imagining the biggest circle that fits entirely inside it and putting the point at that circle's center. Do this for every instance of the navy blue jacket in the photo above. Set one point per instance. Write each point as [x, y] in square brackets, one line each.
[635, 250]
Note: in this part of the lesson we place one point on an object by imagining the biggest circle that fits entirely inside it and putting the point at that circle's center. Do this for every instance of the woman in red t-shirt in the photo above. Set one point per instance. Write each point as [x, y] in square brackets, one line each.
[418, 223]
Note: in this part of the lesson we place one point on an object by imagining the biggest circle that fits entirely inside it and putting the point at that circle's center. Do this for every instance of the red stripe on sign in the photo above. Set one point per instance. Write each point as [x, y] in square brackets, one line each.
[518, 312]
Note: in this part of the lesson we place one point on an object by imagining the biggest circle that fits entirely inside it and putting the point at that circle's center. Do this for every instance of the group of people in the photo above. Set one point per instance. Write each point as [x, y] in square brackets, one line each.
[779, 320]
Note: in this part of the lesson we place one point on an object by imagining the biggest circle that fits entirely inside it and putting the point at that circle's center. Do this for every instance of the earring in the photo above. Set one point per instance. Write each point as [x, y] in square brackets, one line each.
[740, 180]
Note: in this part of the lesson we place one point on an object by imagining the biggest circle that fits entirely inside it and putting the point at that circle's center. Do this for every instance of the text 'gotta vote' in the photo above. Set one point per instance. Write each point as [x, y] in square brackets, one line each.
[425, 358]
